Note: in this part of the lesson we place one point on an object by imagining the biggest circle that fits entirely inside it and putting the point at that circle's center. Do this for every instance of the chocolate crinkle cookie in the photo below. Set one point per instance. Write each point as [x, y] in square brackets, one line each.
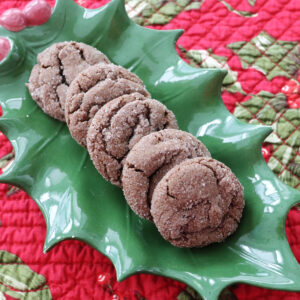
[93, 88]
[198, 202]
[57, 66]
[118, 126]
[150, 159]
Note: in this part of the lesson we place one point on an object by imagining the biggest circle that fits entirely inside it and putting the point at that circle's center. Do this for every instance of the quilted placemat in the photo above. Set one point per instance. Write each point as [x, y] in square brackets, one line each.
[257, 42]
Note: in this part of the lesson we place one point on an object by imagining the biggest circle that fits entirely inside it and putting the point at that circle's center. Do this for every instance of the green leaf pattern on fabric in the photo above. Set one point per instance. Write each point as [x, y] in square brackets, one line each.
[269, 109]
[252, 2]
[6, 159]
[241, 13]
[19, 281]
[158, 12]
[269, 56]
[191, 294]
[5, 162]
[207, 59]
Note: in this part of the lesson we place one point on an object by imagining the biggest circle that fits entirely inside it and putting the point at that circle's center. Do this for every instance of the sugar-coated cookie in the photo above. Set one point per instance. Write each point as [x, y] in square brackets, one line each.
[118, 126]
[150, 159]
[57, 66]
[93, 88]
[198, 202]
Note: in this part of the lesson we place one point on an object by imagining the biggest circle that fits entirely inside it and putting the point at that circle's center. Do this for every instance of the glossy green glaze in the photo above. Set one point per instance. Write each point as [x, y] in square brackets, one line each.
[78, 203]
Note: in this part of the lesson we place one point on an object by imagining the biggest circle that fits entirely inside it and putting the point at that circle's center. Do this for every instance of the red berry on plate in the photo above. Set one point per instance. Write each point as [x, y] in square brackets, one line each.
[37, 12]
[4, 47]
[13, 19]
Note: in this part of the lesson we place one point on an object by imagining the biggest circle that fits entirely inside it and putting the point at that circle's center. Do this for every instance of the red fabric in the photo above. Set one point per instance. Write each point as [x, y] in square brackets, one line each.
[214, 26]
[72, 268]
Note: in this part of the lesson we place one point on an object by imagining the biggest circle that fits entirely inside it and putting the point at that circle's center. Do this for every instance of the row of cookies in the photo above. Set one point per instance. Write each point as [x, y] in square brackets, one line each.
[167, 175]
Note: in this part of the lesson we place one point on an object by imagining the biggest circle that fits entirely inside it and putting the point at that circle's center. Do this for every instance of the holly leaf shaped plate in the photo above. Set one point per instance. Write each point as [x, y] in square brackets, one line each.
[78, 203]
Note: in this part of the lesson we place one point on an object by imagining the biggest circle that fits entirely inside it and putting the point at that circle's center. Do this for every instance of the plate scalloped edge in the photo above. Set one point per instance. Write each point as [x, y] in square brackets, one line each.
[258, 253]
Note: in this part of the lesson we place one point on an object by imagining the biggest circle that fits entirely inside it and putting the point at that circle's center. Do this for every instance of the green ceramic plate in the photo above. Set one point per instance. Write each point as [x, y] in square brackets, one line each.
[77, 203]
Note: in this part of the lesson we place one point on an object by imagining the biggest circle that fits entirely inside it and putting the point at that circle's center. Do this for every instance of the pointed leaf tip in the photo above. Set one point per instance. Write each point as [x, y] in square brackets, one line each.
[263, 131]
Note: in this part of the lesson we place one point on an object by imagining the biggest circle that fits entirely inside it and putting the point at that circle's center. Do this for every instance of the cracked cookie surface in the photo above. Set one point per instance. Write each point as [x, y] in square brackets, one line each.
[57, 66]
[198, 202]
[118, 126]
[150, 159]
[92, 89]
